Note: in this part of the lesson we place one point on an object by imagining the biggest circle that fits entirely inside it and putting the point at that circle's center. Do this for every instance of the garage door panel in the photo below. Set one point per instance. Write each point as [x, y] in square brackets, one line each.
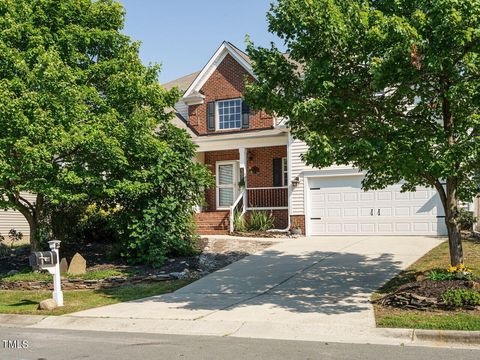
[385, 228]
[402, 211]
[367, 228]
[366, 211]
[350, 212]
[384, 195]
[366, 196]
[339, 206]
[350, 197]
[350, 228]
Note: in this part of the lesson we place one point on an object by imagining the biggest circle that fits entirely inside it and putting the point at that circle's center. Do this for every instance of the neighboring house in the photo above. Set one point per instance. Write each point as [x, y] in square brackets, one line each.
[257, 166]
[13, 219]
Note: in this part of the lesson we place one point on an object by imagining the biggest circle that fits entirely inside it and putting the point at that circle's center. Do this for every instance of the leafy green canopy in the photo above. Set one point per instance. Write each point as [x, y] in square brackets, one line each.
[390, 86]
[82, 120]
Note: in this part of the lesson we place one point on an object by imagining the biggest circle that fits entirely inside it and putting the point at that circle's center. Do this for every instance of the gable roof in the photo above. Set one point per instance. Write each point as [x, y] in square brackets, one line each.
[183, 82]
[224, 49]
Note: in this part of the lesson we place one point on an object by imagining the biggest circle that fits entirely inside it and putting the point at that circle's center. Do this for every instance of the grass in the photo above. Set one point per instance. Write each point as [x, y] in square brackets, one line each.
[28, 275]
[26, 302]
[437, 258]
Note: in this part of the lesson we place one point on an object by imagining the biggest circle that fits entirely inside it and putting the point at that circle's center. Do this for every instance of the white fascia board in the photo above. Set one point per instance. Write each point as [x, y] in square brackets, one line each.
[217, 143]
[212, 65]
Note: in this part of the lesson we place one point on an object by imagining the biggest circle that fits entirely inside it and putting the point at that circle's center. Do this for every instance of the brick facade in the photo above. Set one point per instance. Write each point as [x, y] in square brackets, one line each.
[226, 82]
[259, 158]
[298, 220]
[211, 159]
[262, 159]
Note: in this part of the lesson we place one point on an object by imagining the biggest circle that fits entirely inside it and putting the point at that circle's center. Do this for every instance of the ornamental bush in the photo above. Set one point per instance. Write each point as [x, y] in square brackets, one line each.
[260, 221]
[461, 297]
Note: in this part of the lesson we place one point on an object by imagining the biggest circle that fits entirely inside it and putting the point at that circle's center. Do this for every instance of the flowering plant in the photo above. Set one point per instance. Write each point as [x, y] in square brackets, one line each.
[460, 271]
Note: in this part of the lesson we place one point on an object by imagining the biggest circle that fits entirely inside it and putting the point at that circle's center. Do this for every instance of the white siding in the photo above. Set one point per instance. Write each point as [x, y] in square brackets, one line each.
[182, 109]
[298, 167]
[12, 219]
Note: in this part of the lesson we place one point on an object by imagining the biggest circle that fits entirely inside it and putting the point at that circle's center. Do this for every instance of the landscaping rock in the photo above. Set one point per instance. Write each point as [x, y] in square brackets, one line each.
[179, 275]
[12, 272]
[78, 265]
[48, 305]
[63, 266]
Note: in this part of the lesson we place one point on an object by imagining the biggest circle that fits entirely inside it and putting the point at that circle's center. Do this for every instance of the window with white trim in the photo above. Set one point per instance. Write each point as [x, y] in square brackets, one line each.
[229, 114]
[285, 171]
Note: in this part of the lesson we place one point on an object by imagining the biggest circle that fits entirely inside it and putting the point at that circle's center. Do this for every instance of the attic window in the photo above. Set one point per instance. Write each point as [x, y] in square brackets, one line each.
[229, 114]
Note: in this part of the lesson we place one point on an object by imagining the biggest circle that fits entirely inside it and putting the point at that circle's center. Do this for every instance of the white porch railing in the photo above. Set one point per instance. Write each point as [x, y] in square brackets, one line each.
[233, 208]
[267, 198]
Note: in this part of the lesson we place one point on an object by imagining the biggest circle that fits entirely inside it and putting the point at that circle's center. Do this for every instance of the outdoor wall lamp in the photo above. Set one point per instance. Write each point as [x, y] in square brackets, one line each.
[295, 181]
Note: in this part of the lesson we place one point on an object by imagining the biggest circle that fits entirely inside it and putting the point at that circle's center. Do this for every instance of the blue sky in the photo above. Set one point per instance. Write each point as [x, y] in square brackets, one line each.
[181, 35]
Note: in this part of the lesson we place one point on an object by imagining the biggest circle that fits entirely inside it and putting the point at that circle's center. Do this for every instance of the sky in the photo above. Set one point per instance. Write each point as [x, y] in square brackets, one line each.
[182, 35]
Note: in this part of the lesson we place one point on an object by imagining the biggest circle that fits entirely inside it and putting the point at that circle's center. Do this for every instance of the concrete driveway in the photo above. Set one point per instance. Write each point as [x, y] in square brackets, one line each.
[308, 288]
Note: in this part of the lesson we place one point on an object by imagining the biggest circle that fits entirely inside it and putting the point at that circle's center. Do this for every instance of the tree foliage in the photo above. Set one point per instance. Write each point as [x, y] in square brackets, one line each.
[389, 86]
[84, 121]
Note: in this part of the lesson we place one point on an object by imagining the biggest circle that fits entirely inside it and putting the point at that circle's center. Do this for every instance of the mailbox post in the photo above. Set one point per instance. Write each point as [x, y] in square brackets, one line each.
[49, 260]
[57, 284]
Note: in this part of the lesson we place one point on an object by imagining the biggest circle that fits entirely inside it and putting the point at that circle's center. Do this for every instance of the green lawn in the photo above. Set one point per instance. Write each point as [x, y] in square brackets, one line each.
[437, 258]
[45, 276]
[26, 302]
[450, 320]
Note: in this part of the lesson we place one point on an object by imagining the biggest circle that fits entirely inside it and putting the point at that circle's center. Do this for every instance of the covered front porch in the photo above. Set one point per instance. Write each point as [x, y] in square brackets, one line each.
[246, 179]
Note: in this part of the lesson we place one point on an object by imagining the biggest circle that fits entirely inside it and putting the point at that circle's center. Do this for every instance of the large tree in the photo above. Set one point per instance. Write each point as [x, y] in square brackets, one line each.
[82, 120]
[389, 86]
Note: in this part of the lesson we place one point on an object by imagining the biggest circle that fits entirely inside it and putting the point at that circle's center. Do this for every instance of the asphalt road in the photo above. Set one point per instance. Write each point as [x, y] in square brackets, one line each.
[36, 344]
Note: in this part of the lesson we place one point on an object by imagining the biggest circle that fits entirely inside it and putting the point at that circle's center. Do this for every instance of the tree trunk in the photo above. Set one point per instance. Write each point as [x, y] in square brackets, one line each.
[33, 235]
[453, 224]
[450, 206]
[454, 243]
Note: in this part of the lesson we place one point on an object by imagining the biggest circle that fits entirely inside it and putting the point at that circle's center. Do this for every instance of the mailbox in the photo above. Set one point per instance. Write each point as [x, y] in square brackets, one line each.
[43, 259]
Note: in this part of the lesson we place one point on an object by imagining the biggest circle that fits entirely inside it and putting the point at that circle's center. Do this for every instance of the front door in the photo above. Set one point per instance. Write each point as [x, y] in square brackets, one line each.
[226, 184]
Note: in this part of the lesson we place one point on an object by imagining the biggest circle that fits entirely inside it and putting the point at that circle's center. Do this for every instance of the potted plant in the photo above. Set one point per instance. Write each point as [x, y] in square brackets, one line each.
[296, 229]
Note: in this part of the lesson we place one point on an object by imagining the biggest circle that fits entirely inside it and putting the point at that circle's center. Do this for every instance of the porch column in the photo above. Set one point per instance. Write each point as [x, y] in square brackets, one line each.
[199, 159]
[243, 174]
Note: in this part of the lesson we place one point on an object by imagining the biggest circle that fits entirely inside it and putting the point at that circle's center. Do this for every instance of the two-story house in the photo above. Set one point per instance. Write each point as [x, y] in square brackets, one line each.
[257, 165]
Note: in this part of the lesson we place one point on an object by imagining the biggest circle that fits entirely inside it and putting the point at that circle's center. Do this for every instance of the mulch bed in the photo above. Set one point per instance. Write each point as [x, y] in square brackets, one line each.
[215, 254]
[424, 295]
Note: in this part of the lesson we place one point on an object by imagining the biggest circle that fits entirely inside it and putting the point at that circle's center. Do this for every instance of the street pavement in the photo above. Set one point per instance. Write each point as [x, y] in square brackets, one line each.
[43, 344]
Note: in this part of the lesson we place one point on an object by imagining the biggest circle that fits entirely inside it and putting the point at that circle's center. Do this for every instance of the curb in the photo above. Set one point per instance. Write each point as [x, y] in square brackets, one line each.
[407, 336]
[447, 336]
[439, 337]
[14, 320]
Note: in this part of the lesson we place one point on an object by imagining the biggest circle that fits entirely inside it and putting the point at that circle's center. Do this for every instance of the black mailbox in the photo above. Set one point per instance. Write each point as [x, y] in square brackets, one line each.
[42, 259]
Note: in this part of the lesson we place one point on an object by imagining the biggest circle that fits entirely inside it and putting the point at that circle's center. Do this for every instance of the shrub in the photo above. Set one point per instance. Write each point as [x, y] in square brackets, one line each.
[467, 219]
[440, 275]
[461, 297]
[260, 221]
[239, 222]
[82, 223]
[4, 250]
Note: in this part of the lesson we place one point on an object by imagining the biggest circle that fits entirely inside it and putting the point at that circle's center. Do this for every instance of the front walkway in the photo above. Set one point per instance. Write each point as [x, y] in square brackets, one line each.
[308, 289]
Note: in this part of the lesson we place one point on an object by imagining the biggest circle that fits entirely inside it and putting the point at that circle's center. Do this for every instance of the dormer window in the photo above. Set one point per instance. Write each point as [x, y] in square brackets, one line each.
[229, 114]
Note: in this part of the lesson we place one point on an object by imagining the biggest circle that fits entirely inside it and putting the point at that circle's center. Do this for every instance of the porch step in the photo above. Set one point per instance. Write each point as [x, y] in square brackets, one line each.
[213, 222]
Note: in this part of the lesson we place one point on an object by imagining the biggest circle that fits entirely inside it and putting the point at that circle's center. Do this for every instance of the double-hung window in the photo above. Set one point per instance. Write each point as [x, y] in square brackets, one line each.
[229, 114]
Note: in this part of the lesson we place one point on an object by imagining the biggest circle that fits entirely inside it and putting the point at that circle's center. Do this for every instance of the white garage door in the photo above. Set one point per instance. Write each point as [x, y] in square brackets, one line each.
[338, 206]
